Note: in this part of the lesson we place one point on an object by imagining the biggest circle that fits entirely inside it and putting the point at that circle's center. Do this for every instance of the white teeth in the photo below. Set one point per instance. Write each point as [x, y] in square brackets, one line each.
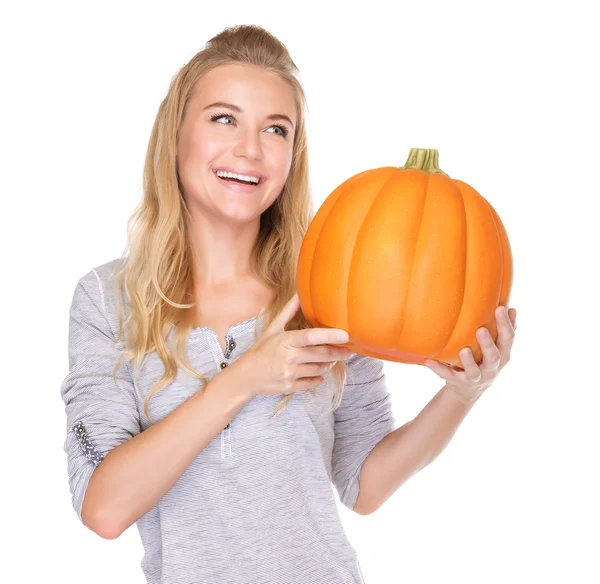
[252, 179]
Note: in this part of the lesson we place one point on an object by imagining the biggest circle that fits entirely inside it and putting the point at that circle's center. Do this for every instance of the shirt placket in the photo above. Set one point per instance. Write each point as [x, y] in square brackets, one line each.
[230, 345]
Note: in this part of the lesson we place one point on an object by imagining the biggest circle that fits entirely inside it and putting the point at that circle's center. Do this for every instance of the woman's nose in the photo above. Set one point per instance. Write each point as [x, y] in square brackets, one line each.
[248, 145]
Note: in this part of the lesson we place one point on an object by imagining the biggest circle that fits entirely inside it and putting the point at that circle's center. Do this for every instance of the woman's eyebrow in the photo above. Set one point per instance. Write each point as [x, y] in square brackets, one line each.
[239, 109]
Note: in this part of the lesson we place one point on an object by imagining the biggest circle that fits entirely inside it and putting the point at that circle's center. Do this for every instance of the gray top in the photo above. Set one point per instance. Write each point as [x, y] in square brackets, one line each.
[256, 506]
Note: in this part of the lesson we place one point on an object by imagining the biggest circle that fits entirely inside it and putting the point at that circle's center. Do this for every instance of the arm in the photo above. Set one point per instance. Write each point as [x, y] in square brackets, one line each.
[363, 418]
[410, 448]
[134, 476]
[117, 473]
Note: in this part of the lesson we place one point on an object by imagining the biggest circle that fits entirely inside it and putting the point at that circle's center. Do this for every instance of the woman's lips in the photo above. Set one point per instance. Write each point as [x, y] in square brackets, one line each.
[239, 187]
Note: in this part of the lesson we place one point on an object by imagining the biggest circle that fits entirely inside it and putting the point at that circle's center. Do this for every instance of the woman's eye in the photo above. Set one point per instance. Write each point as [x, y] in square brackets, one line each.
[282, 131]
[215, 118]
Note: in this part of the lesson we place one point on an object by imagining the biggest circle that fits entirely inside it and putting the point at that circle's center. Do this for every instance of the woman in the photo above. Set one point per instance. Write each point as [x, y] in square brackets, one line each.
[228, 480]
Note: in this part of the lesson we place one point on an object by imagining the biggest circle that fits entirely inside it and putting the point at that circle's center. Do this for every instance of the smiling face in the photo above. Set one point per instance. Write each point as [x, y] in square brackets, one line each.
[248, 136]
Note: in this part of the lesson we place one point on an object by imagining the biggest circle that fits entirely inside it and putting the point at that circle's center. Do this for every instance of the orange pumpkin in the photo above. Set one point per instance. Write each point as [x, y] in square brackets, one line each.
[407, 260]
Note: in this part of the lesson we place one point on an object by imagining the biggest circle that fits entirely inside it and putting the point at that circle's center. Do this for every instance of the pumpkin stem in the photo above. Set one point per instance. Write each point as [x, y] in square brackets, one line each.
[425, 159]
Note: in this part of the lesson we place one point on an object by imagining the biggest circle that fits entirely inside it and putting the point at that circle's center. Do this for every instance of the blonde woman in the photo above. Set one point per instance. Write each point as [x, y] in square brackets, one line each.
[200, 404]
[188, 403]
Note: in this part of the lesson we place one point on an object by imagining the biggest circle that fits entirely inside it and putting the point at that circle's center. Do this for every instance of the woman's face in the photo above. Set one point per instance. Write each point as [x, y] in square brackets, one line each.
[248, 137]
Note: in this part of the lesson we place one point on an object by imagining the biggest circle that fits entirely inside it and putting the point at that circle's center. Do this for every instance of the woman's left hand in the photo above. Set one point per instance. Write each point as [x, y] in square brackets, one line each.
[470, 384]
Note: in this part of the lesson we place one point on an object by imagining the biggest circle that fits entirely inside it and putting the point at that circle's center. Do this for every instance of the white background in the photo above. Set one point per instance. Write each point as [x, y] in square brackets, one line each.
[507, 92]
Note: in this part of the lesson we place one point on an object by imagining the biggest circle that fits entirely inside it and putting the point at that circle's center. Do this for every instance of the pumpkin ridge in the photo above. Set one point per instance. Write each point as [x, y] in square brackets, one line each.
[467, 191]
[349, 184]
[316, 226]
[412, 266]
[505, 261]
[462, 302]
[360, 229]
[487, 204]
[506, 256]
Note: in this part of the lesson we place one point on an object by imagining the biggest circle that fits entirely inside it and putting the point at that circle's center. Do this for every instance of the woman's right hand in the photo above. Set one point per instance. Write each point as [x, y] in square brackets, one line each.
[283, 362]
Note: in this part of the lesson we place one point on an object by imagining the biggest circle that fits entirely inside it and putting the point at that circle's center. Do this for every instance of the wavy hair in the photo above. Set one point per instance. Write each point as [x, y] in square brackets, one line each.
[156, 271]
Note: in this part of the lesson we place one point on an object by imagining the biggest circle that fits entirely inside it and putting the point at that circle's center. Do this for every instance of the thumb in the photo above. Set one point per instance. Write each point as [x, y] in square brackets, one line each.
[286, 314]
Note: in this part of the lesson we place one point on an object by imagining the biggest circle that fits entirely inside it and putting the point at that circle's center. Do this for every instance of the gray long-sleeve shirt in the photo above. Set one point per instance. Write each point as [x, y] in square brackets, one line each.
[256, 505]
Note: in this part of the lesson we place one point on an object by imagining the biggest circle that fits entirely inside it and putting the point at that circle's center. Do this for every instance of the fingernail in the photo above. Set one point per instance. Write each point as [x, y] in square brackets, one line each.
[341, 337]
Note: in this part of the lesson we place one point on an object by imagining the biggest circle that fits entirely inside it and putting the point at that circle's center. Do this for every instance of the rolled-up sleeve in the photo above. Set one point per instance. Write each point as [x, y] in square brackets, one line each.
[100, 415]
[363, 418]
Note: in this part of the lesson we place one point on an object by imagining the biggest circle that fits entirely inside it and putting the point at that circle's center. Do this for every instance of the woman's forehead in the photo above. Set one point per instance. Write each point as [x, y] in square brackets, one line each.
[247, 88]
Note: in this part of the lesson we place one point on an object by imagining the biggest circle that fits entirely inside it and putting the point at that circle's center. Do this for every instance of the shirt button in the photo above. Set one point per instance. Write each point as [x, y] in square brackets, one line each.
[232, 345]
[227, 427]
[223, 365]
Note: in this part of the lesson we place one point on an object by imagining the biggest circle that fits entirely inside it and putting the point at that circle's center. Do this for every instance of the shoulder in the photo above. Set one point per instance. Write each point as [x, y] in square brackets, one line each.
[104, 273]
[101, 276]
[362, 368]
[96, 287]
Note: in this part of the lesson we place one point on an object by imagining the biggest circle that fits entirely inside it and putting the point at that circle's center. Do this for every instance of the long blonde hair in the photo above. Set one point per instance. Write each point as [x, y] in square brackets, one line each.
[156, 272]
